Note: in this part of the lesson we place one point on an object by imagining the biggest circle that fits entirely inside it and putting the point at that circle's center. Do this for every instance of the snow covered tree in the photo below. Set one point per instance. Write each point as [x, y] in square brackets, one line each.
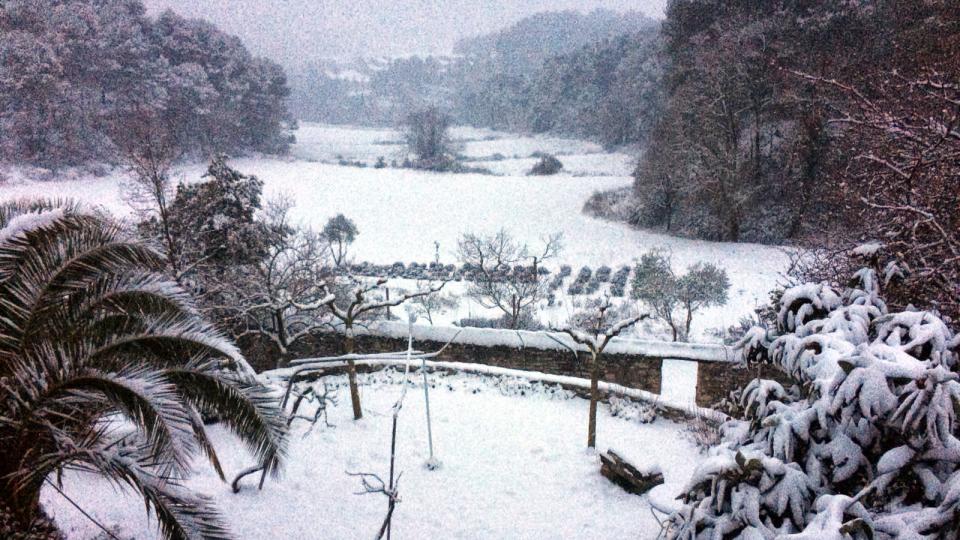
[504, 273]
[78, 74]
[355, 301]
[281, 296]
[864, 446]
[339, 232]
[548, 165]
[594, 327]
[106, 368]
[674, 299]
[427, 134]
[212, 225]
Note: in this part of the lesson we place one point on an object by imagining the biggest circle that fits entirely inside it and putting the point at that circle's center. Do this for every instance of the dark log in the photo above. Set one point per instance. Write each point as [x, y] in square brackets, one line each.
[625, 475]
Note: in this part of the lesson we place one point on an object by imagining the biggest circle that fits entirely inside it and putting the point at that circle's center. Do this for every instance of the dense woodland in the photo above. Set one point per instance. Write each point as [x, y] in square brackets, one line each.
[76, 77]
[833, 125]
[748, 122]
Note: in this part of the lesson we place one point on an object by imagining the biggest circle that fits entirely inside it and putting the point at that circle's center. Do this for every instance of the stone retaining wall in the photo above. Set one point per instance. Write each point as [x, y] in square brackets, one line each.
[629, 370]
[715, 379]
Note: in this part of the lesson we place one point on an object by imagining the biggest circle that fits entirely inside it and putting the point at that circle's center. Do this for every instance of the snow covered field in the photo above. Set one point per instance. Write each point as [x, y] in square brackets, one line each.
[329, 144]
[401, 213]
[513, 466]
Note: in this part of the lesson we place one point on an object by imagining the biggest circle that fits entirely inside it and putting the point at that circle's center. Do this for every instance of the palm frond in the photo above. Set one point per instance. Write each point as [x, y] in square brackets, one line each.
[15, 208]
[248, 409]
[180, 514]
[200, 434]
[24, 214]
[135, 296]
[141, 395]
[170, 340]
[90, 331]
[40, 267]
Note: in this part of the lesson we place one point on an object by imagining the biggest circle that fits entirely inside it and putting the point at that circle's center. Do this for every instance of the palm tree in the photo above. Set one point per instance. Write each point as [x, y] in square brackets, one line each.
[106, 367]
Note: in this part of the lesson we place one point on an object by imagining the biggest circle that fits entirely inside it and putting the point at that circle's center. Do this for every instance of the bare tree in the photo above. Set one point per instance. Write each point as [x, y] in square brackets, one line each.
[433, 304]
[900, 180]
[356, 301]
[282, 297]
[505, 272]
[593, 328]
[149, 151]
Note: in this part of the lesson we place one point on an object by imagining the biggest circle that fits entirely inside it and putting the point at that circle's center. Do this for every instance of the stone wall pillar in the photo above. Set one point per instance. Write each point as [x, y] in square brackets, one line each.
[715, 380]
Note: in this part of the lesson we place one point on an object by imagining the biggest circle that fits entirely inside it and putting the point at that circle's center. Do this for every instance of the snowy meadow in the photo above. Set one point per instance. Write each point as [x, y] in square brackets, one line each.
[408, 215]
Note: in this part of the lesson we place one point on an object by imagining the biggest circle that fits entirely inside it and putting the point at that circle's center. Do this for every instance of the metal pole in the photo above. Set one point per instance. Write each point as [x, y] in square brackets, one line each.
[388, 299]
[432, 462]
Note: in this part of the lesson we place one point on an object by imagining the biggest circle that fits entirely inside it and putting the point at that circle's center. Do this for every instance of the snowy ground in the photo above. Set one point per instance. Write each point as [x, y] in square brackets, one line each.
[512, 467]
[401, 213]
[330, 144]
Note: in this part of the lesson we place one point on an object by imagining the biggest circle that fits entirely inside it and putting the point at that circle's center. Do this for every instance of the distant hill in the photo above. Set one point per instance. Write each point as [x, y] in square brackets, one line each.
[526, 77]
[524, 46]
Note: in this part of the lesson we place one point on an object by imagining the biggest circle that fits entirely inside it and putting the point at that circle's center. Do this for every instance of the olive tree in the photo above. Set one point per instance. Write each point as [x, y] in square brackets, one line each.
[674, 299]
[339, 232]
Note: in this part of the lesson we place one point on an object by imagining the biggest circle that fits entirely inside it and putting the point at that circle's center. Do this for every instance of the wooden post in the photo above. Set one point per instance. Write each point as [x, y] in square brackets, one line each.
[594, 397]
[352, 372]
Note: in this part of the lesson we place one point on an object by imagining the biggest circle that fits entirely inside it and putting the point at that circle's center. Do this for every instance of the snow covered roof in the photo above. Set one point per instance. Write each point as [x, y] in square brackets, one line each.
[495, 337]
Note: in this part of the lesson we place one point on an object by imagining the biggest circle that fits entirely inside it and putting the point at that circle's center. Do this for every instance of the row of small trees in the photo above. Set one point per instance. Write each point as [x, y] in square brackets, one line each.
[670, 297]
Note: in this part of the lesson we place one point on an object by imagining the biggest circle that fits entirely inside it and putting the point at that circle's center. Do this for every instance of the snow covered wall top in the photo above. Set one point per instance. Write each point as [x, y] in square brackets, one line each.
[495, 337]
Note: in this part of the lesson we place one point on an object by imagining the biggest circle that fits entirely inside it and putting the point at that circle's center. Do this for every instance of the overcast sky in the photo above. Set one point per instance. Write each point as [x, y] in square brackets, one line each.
[291, 31]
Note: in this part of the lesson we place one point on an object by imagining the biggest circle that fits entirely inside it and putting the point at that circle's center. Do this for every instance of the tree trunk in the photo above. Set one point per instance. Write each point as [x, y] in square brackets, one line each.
[594, 397]
[281, 337]
[352, 374]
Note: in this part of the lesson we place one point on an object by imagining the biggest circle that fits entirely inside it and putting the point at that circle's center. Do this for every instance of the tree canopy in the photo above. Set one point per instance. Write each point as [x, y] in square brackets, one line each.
[77, 75]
